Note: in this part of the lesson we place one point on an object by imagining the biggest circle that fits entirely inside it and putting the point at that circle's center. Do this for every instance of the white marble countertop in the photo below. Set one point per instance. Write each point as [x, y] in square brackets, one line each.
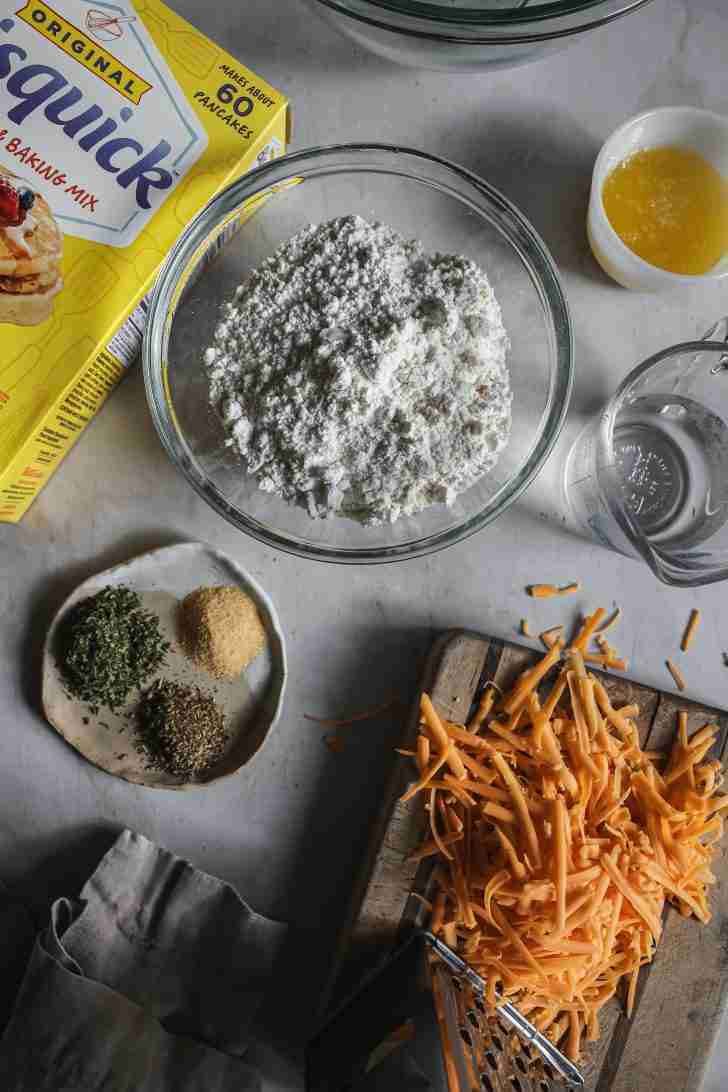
[289, 830]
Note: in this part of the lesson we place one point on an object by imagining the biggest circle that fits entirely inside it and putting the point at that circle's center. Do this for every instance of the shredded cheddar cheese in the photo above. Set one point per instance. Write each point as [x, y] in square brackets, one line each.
[559, 841]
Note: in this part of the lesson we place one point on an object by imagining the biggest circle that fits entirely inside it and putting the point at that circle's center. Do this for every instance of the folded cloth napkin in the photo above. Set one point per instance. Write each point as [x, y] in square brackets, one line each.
[149, 983]
[400, 1071]
[17, 931]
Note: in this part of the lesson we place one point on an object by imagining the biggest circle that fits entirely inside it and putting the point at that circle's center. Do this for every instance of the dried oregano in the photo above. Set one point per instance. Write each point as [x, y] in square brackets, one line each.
[109, 646]
[180, 729]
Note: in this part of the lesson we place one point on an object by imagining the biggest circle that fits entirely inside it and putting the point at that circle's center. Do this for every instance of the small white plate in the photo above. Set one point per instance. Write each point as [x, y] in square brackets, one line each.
[251, 703]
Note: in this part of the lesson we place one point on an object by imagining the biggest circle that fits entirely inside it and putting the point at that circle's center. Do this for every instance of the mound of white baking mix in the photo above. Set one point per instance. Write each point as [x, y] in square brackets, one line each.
[358, 375]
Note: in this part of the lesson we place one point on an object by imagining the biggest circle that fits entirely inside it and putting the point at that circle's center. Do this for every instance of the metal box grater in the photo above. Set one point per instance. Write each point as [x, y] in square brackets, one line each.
[418, 1024]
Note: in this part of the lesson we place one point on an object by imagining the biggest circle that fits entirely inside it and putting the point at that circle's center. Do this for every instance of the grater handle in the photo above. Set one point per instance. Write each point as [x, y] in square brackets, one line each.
[510, 1014]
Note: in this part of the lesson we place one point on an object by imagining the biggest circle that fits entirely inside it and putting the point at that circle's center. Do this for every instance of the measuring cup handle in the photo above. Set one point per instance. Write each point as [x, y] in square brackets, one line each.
[719, 332]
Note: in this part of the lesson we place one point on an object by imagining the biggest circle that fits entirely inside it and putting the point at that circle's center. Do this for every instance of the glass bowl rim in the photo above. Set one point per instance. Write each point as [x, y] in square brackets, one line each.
[535, 256]
[431, 20]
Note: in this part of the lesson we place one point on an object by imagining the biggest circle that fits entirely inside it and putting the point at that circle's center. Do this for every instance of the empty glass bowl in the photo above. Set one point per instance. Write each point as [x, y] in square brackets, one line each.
[449, 210]
[468, 35]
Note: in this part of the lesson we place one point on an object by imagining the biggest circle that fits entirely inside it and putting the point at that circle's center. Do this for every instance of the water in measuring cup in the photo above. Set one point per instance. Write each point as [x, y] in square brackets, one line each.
[672, 462]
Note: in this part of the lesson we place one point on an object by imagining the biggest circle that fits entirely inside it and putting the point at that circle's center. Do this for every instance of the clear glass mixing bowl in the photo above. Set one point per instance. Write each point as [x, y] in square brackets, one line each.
[468, 35]
[450, 210]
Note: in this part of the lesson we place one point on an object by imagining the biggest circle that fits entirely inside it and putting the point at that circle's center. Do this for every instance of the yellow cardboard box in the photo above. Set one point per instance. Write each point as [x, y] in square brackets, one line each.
[118, 122]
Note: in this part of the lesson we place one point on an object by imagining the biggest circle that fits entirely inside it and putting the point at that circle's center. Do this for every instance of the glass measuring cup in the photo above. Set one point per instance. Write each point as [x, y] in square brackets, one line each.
[648, 477]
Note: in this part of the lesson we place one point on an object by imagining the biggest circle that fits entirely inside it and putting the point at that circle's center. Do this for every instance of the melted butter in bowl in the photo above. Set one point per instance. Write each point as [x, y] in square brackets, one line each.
[670, 206]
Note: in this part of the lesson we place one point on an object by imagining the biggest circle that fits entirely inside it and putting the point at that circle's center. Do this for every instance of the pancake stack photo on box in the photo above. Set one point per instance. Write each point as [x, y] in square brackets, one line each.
[31, 246]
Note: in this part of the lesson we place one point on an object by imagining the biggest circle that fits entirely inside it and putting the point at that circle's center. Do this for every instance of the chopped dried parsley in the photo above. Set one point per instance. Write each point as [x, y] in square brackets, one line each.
[180, 729]
[108, 647]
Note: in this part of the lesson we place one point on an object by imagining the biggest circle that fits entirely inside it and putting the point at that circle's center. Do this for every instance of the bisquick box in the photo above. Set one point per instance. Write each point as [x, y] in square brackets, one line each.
[118, 122]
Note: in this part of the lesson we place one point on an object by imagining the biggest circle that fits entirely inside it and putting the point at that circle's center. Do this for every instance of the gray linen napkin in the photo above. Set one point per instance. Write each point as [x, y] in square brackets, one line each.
[400, 1071]
[17, 937]
[149, 983]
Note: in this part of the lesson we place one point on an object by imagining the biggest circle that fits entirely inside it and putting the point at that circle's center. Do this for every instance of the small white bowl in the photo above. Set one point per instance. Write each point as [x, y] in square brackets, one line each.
[685, 126]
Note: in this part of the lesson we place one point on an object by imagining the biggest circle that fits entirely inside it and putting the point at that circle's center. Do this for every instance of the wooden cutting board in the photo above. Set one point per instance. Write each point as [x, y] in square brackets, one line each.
[681, 995]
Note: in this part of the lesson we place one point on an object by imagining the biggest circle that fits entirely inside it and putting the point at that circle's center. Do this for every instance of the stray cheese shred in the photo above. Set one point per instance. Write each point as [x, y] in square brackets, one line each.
[677, 675]
[547, 591]
[690, 630]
